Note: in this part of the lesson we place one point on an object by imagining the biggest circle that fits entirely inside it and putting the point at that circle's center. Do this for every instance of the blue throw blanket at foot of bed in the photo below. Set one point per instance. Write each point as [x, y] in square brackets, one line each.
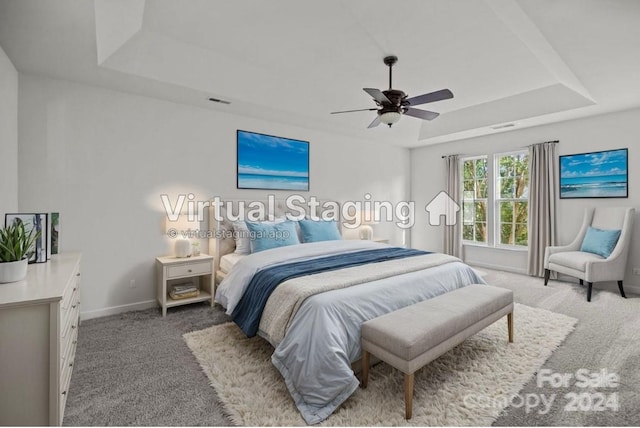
[249, 310]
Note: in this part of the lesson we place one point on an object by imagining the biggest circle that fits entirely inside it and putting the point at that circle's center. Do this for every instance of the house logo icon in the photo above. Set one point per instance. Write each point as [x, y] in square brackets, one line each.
[442, 205]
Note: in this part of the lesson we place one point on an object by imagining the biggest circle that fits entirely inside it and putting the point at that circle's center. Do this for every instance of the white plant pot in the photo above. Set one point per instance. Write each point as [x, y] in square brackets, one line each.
[13, 271]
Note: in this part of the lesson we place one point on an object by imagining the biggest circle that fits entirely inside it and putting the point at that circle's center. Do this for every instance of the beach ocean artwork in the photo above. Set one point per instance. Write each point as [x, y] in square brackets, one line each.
[274, 163]
[594, 175]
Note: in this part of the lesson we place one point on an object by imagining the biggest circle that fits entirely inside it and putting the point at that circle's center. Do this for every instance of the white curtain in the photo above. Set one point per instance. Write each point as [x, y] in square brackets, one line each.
[543, 182]
[452, 234]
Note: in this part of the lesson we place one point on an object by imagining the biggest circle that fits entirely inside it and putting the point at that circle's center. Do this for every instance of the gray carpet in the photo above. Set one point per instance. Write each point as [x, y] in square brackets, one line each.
[135, 368]
[607, 336]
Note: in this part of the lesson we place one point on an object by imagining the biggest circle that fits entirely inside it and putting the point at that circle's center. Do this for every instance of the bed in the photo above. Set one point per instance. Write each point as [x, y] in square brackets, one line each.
[313, 321]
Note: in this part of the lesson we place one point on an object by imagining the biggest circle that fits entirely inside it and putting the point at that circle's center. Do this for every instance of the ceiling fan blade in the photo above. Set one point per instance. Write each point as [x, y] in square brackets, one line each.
[377, 95]
[375, 122]
[421, 114]
[443, 94]
[351, 111]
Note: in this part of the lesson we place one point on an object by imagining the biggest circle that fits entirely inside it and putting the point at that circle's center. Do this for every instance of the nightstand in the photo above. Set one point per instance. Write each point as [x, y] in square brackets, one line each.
[172, 271]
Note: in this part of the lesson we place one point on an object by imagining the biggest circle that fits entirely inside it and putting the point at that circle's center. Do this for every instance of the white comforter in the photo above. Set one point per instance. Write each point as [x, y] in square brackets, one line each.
[323, 339]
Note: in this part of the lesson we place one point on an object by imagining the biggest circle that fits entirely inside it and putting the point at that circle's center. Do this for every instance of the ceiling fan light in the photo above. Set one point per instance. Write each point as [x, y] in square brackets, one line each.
[390, 117]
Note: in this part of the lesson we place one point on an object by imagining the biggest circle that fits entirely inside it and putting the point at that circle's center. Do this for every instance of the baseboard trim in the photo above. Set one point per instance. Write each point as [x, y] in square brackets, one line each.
[635, 289]
[497, 267]
[632, 288]
[114, 310]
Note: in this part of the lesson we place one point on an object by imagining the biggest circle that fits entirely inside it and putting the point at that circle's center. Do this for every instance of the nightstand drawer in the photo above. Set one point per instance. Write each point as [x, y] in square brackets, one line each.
[188, 270]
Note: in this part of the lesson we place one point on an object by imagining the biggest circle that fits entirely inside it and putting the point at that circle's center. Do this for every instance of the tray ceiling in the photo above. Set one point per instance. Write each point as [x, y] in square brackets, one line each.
[525, 62]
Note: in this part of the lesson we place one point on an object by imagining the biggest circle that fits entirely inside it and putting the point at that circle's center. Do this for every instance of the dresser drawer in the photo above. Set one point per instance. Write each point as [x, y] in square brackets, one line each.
[71, 292]
[65, 377]
[190, 269]
[71, 305]
[67, 347]
[70, 327]
[67, 362]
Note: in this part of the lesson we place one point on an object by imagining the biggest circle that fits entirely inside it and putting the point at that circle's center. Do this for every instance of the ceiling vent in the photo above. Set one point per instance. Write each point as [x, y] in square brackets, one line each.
[217, 100]
[506, 125]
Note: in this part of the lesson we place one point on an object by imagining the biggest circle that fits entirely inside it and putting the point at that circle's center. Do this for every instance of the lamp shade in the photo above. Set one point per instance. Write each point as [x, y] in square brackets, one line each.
[182, 230]
[367, 218]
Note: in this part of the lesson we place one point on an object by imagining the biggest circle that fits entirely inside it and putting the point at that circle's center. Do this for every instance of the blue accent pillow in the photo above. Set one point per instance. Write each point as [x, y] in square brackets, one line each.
[315, 231]
[266, 236]
[599, 241]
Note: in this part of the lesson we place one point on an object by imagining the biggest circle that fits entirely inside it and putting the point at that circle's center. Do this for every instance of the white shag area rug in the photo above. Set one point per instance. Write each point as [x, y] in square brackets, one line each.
[469, 385]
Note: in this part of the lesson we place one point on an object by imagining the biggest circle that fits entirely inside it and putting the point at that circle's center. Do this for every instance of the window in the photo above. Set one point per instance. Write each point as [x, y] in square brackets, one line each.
[495, 199]
[474, 199]
[512, 193]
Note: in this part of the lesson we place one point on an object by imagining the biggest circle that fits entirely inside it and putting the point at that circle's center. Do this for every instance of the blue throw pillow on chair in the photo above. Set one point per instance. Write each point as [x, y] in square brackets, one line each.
[600, 241]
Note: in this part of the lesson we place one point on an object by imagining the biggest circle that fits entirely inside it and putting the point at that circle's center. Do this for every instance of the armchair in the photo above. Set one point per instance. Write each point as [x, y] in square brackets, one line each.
[589, 267]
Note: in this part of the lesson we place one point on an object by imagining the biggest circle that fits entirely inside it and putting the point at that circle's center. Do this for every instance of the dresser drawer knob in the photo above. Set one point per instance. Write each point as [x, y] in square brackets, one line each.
[73, 306]
[190, 271]
[78, 274]
[75, 342]
[73, 326]
[64, 392]
[74, 288]
[71, 364]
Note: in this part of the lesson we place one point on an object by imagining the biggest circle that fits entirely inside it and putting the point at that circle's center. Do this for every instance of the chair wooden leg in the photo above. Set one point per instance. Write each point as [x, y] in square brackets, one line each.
[590, 285]
[365, 368]
[621, 289]
[510, 326]
[408, 395]
[547, 272]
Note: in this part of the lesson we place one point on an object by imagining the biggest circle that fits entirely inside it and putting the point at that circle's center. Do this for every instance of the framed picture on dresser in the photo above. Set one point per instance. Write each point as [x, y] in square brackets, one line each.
[39, 222]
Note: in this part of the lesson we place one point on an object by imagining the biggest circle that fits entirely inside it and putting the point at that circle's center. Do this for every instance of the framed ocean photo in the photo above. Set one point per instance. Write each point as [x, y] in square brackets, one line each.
[595, 175]
[271, 163]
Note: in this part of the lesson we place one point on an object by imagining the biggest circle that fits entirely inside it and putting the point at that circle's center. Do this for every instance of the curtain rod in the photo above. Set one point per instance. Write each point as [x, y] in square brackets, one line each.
[525, 147]
[546, 142]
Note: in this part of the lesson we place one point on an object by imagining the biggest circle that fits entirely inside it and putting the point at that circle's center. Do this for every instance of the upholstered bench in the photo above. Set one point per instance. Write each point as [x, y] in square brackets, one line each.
[411, 337]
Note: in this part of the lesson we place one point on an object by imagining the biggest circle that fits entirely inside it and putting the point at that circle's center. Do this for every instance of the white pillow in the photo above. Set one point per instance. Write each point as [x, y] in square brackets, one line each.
[242, 235]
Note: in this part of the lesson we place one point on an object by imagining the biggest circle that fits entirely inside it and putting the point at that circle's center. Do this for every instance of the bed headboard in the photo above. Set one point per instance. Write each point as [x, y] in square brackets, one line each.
[222, 243]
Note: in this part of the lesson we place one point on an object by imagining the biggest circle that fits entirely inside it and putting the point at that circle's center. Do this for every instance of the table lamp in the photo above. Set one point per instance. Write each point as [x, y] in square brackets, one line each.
[367, 218]
[181, 230]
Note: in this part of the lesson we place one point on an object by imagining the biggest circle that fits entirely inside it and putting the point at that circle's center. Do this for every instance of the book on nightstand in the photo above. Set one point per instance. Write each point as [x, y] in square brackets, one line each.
[184, 291]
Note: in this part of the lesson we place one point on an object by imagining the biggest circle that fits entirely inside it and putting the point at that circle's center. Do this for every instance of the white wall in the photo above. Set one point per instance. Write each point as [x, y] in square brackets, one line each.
[102, 158]
[8, 136]
[616, 130]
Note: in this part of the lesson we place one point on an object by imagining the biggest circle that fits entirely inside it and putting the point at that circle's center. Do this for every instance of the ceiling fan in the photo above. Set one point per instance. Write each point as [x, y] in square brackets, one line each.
[393, 103]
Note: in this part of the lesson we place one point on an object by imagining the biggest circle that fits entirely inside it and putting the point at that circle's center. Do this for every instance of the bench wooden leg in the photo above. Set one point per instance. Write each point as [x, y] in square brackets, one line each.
[365, 368]
[510, 326]
[408, 395]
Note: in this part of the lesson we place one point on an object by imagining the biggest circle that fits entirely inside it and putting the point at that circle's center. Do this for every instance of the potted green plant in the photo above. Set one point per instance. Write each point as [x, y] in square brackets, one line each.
[16, 246]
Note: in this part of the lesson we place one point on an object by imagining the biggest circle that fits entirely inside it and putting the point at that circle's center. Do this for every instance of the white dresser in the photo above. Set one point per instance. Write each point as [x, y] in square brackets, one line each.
[39, 320]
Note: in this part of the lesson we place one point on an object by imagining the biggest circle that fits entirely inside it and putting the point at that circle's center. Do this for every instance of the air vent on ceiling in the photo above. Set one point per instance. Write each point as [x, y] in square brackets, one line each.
[217, 100]
[506, 125]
